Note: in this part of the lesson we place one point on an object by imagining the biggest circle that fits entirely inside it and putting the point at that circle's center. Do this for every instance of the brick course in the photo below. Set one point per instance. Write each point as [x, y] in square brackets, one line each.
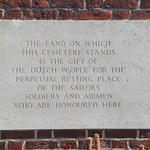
[75, 9]
[121, 3]
[120, 133]
[95, 14]
[68, 144]
[2, 145]
[119, 144]
[17, 134]
[135, 144]
[67, 3]
[94, 3]
[15, 145]
[141, 14]
[45, 134]
[73, 139]
[41, 145]
[13, 14]
[40, 3]
[15, 3]
[121, 14]
[69, 134]
[145, 4]
[40, 14]
[145, 133]
[67, 15]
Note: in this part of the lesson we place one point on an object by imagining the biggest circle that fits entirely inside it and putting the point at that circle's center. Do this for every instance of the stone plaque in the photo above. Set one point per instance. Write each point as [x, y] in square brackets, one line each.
[74, 74]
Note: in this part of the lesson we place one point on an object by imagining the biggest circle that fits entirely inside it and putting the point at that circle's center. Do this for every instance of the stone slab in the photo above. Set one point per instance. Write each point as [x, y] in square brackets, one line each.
[74, 74]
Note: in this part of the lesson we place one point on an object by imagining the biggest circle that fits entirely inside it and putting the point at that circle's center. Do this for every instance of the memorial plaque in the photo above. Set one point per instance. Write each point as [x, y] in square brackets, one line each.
[74, 74]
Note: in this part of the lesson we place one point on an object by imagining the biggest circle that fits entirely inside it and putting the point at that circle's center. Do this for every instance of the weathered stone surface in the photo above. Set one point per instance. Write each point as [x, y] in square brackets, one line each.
[74, 75]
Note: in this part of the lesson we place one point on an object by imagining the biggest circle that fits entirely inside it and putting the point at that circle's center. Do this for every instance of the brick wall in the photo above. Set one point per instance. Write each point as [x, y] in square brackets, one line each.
[76, 10]
[73, 139]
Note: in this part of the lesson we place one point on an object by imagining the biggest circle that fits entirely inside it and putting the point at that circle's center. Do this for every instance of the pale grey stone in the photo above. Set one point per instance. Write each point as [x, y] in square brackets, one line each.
[126, 44]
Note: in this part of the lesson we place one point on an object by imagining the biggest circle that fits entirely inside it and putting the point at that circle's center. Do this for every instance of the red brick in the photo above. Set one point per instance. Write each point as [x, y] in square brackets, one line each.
[145, 3]
[69, 134]
[121, 14]
[15, 145]
[67, 3]
[40, 3]
[119, 144]
[145, 133]
[95, 14]
[17, 134]
[41, 145]
[1, 3]
[13, 14]
[2, 145]
[94, 3]
[67, 15]
[92, 132]
[141, 14]
[105, 144]
[136, 143]
[83, 144]
[121, 3]
[120, 133]
[40, 14]
[0, 14]
[15, 3]
[44, 134]
[68, 144]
